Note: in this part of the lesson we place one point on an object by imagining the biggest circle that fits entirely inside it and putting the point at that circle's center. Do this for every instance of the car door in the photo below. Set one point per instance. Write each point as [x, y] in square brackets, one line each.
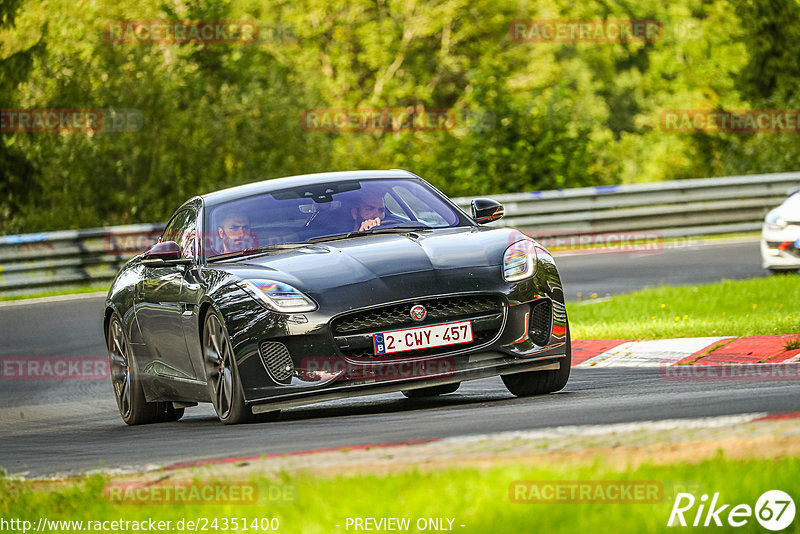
[161, 305]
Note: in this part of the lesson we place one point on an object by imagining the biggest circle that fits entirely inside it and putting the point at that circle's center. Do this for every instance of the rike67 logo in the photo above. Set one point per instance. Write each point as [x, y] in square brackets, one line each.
[774, 510]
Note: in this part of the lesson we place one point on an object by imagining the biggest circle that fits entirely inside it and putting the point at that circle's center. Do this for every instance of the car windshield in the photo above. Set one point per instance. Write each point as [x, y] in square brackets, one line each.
[325, 211]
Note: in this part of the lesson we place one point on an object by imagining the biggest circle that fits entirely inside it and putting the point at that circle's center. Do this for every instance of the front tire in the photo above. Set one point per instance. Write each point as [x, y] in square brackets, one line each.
[125, 379]
[541, 382]
[222, 376]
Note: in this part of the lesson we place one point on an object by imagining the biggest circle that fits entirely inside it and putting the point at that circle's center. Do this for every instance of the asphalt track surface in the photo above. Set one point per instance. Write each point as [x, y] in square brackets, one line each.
[51, 427]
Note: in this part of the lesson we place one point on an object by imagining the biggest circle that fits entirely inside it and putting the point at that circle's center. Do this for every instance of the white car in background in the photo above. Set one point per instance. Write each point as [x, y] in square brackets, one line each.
[780, 236]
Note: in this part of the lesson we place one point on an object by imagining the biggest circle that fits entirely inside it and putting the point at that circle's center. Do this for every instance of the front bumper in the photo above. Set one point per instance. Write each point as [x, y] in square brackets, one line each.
[322, 364]
[778, 248]
[492, 365]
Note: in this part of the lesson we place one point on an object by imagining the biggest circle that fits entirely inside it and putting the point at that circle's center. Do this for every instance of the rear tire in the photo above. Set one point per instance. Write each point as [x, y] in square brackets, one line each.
[126, 382]
[541, 382]
[433, 391]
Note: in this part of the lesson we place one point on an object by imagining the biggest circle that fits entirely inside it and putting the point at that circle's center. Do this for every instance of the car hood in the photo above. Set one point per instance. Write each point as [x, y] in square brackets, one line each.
[788, 211]
[350, 261]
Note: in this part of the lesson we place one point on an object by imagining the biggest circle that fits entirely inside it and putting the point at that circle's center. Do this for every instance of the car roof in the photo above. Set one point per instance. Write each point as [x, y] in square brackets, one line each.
[275, 184]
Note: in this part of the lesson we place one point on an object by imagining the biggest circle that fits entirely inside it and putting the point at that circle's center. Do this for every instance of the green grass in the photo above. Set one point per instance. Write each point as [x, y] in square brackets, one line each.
[476, 498]
[731, 308]
[56, 292]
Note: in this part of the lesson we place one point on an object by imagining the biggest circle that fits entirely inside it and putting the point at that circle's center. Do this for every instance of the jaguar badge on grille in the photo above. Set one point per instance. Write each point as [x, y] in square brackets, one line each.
[418, 312]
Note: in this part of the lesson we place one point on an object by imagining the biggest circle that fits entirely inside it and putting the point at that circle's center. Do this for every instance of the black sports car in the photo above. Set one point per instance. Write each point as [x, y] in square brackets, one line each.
[310, 288]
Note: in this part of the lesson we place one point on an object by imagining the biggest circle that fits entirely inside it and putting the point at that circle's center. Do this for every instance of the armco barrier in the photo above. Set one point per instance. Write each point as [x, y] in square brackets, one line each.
[703, 206]
[50, 259]
[30, 262]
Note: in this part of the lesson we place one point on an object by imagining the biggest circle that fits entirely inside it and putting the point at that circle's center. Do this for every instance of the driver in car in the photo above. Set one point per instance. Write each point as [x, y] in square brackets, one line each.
[234, 232]
[368, 212]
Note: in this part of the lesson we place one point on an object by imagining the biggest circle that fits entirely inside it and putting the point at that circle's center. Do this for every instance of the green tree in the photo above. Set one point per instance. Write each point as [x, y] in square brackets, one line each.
[16, 171]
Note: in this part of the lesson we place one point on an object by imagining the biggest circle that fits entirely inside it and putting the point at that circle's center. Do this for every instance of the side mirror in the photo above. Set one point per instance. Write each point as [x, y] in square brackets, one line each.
[486, 210]
[165, 254]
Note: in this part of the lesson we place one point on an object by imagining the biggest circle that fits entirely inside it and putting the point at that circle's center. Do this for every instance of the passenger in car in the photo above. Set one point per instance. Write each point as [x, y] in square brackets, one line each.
[234, 233]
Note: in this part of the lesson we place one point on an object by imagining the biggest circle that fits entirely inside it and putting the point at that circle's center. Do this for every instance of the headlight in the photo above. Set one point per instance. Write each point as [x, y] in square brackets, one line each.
[279, 296]
[776, 222]
[519, 260]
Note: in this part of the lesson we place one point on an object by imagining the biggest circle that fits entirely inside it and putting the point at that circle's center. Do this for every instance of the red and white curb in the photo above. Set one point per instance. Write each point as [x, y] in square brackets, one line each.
[682, 351]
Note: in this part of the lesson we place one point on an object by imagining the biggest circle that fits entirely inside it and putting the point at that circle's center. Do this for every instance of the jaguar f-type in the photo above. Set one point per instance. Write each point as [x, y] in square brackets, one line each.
[310, 288]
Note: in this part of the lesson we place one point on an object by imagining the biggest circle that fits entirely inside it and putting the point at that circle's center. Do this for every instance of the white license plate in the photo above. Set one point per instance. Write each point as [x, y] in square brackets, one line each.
[423, 337]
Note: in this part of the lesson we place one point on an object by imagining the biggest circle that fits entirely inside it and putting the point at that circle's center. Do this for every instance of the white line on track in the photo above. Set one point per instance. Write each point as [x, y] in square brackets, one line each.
[48, 300]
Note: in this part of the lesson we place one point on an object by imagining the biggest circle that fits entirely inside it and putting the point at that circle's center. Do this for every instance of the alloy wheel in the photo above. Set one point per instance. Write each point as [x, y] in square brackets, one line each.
[119, 359]
[218, 355]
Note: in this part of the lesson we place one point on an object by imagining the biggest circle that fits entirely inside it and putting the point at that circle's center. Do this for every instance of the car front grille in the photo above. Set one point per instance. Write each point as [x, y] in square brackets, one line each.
[790, 247]
[353, 331]
[398, 316]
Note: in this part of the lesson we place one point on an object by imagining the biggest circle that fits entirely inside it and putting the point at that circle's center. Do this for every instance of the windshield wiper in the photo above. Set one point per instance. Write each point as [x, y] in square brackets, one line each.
[375, 230]
[254, 251]
[392, 229]
[333, 237]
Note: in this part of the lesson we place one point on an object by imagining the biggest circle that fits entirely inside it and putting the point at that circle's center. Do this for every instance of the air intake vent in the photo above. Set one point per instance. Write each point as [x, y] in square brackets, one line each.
[559, 312]
[277, 360]
[540, 322]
